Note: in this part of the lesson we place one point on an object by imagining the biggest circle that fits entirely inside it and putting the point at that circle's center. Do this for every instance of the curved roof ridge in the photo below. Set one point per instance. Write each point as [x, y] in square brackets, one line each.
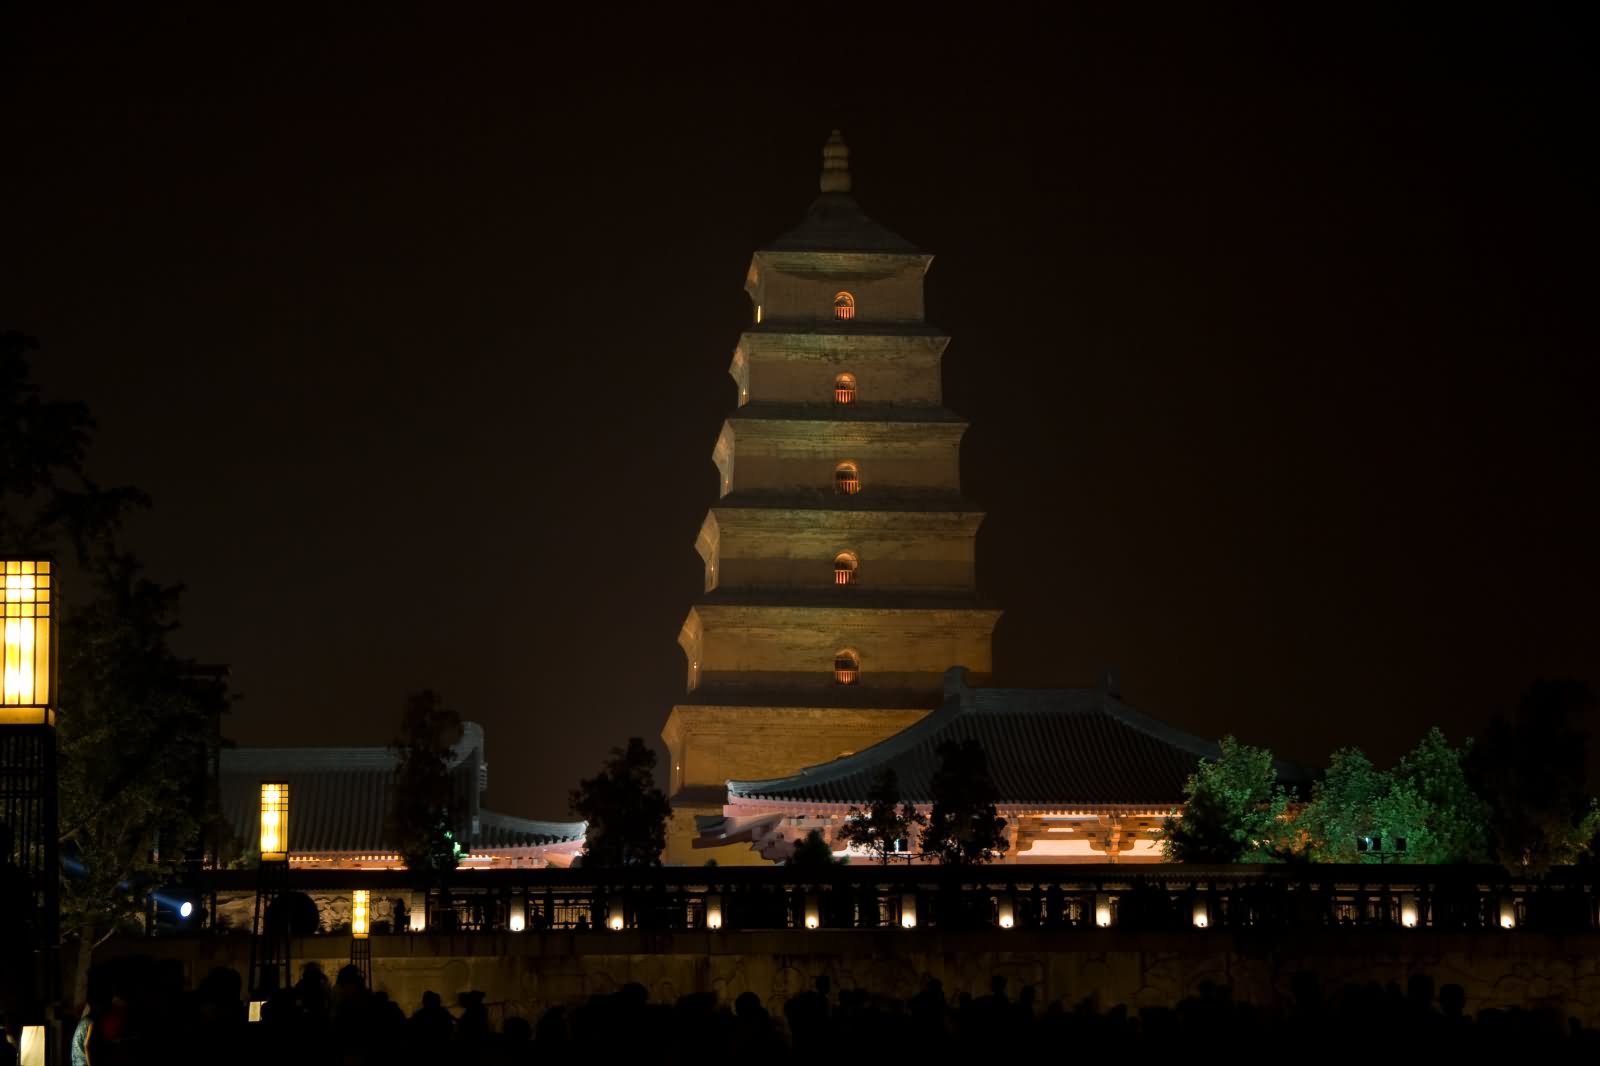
[1154, 727]
[905, 740]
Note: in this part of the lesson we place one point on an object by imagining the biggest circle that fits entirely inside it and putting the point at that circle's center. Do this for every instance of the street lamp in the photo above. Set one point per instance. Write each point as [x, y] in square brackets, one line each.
[360, 932]
[269, 948]
[28, 785]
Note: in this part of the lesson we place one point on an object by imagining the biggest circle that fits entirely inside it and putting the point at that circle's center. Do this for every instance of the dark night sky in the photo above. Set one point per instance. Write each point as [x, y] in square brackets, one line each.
[1276, 332]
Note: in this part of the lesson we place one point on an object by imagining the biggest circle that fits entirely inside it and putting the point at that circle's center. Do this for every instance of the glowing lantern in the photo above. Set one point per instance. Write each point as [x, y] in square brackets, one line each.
[1408, 911]
[908, 911]
[1202, 914]
[1006, 912]
[517, 915]
[27, 652]
[713, 912]
[813, 913]
[274, 821]
[360, 913]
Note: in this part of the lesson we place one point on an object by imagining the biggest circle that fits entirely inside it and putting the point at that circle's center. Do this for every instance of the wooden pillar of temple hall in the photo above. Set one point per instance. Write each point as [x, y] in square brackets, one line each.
[838, 556]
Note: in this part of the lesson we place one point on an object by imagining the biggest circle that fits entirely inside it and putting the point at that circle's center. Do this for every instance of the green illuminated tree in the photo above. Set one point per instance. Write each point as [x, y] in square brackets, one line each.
[1359, 813]
[964, 826]
[1233, 810]
[626, 812]
[423, 807]
[1455, 815]
[883, 828]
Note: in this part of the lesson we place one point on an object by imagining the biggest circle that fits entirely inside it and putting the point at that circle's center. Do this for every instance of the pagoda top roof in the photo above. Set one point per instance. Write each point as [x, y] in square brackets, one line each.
[1061, 748]
[835, 222]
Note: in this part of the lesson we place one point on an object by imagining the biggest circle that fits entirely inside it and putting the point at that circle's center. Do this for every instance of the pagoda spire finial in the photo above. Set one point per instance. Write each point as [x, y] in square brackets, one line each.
[835, 164]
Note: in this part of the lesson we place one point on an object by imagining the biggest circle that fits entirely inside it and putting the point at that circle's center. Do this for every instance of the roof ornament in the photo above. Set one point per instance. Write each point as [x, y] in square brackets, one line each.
[835, 164]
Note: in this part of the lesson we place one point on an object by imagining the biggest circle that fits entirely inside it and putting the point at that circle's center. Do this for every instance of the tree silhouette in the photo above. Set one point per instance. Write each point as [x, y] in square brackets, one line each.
[1530, 770]
[422, 822]
[963, 826]
[884, 823]
[134, 729]
[626, 812]
[813, 853]
[1233, 810]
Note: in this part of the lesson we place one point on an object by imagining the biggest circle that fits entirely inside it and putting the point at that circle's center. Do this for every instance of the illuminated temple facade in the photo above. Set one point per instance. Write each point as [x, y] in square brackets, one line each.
[838, 557]
[339, 797]
[1079, 777]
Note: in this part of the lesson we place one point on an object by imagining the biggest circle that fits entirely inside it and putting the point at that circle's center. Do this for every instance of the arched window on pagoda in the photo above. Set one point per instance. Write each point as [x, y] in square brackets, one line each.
[846, 667]
[845, 565]
[844, 389]
[846, 479]
[844, 306]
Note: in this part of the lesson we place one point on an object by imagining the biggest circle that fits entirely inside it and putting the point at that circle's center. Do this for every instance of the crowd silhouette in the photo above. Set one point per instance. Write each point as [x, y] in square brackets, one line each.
[142, 1013]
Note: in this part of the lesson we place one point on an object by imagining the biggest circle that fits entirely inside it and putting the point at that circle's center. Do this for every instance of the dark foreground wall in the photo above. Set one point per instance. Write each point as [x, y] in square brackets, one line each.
[525, 973]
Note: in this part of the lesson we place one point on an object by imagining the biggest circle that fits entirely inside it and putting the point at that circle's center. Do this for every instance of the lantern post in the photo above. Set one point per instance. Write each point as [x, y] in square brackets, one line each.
[361, 932]
[28, 782]
[269, 947]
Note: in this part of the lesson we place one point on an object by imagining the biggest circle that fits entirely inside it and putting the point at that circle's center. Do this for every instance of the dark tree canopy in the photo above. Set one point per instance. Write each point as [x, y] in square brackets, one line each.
[136, 722]
[1530, 770]
[964, 826]
[885, 823]
[423, 822]
[626, 812]
[813, 853]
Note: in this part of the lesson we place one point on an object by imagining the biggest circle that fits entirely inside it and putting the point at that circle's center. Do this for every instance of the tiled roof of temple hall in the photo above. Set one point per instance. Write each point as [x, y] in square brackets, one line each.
[339, 799]
[1059, 748]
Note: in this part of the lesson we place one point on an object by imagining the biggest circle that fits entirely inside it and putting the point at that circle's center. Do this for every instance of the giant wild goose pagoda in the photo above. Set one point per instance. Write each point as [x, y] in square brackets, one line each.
[840, 631]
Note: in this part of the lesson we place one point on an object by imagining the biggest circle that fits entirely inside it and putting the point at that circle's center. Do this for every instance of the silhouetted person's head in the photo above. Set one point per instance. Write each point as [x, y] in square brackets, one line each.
[1452, 999]
[431, 1000]
[823, 985]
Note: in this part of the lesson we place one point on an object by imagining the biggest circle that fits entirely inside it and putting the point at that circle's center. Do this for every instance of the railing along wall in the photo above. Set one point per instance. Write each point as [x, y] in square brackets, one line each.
[1017, 898]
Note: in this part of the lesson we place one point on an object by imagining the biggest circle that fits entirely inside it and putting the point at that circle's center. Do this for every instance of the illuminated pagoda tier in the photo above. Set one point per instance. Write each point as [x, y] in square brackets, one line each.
[1079, 776]
[341, 800]
[839, 556]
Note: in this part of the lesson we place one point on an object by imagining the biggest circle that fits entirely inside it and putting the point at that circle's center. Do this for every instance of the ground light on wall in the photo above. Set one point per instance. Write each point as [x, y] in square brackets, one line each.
[1202, 913]
[1408, 911]
[813, 913]
[1102, 911]
[1005, 912]
[714, 912]
[516, 915]
[614, 916]
[908, 911]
